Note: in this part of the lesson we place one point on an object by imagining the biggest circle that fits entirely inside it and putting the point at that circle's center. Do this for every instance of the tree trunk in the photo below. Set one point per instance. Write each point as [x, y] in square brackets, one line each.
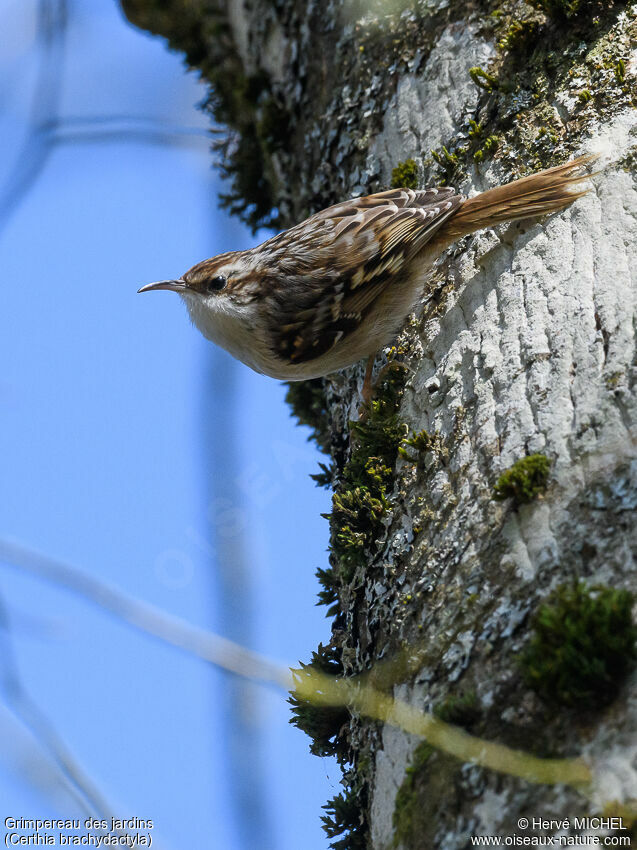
[525, 349]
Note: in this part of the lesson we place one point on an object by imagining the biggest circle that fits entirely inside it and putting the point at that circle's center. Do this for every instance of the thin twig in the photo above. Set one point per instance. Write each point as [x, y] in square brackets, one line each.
[308, 684]
[25, 709]
[148, 618]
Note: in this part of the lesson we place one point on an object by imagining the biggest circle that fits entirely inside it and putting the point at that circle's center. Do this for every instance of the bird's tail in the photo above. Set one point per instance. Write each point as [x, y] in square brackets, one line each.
[541, 193]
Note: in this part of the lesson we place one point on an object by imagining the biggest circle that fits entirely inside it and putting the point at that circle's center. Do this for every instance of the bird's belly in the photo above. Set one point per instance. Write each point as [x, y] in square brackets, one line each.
[378, 329]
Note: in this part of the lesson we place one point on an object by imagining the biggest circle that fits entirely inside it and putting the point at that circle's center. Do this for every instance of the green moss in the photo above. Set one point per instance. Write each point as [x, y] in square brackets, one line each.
[613, 380]
[324, 478]
[452, 160]
[257, 127]
[245, 157]
[405, 175]
[422, 444]
[538, 59]
[429, 789]
[307, 400]
[345, 815]
[323, 723]
[584, 96]
[445, 158]
[620, 71]
[380, 433]
[449, 162]
[483, 79]
[583, 645]
[257, 124]
[524, 481]
[459, 709]
[330, 583]
[520, 35]
[629, 162]
[408, 805]
[475, 129]
[361, 502]
[488, 149]
[565, 10]
[357, 518]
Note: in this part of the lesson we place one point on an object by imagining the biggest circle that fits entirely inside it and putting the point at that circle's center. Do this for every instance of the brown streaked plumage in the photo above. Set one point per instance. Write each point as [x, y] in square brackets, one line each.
[337, 287]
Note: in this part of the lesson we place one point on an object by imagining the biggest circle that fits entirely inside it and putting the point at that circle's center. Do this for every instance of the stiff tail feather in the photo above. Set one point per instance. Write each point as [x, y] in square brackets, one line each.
[541, 193]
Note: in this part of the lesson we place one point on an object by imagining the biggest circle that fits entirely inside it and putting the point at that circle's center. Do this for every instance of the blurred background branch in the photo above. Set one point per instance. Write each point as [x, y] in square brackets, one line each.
[147, 618]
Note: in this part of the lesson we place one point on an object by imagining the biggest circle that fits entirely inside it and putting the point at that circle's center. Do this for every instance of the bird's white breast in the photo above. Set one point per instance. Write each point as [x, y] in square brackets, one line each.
[231, 326]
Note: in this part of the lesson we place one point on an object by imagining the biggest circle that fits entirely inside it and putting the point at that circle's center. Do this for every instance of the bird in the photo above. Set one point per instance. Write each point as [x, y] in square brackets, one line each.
[337, 287]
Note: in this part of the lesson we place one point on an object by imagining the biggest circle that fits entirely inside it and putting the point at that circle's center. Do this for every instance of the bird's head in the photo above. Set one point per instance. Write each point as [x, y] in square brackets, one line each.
[219, 278]
[220, 296]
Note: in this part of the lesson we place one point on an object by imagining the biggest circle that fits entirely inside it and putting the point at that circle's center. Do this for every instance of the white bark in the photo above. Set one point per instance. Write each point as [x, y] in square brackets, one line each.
[535, 348]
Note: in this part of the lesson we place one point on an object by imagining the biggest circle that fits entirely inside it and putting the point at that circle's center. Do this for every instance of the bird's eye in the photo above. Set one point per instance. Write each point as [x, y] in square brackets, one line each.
[215, 284]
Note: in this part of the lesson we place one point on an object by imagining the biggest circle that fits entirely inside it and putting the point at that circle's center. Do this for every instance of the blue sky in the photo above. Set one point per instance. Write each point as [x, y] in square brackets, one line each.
[133, 450]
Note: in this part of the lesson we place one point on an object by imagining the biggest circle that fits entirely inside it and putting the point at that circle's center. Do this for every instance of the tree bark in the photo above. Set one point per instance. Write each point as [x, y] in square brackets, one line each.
[525, 346]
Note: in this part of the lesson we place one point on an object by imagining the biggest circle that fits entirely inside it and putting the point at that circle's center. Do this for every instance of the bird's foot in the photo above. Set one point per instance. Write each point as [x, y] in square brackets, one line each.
[370, 387]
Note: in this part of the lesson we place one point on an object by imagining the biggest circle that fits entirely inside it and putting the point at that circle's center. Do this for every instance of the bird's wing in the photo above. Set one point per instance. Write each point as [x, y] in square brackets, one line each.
[331, 268]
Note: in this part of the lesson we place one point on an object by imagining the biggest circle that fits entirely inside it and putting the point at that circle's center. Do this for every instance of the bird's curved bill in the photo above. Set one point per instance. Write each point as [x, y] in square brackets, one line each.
[173, 285]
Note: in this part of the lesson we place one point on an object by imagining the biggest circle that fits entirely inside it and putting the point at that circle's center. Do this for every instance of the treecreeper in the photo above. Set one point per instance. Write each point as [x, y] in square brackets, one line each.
[338, 286]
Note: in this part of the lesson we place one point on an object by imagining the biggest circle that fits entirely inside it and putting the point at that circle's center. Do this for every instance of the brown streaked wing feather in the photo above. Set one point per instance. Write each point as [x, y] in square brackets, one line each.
[358, 248]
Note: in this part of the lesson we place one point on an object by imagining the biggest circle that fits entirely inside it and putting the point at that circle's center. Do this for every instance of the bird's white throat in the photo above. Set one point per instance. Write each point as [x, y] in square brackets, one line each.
[227, 324]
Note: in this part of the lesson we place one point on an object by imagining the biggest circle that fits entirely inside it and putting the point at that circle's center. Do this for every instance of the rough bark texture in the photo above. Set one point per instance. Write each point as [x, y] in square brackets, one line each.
[525, 345]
